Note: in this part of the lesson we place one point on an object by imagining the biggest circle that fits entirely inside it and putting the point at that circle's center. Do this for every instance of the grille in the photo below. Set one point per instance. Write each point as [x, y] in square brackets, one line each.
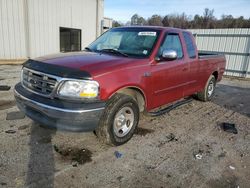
[38, 82]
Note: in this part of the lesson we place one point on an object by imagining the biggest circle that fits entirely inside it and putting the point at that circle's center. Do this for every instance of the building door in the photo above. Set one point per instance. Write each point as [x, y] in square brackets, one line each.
[70, 39]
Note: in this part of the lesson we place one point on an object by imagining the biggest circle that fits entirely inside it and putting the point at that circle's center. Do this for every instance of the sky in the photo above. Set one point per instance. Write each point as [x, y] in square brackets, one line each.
[123, 10]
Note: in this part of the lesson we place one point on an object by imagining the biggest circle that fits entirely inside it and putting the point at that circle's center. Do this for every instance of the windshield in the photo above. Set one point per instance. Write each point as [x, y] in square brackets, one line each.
[129, 42]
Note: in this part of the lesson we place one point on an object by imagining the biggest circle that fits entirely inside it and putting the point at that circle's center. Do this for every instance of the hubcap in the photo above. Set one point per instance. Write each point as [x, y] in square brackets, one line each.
[123, 122]
[210, 89]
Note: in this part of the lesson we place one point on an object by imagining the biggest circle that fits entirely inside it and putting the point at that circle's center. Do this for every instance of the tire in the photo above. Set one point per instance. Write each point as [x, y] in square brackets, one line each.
[119, 120]
[208, 92]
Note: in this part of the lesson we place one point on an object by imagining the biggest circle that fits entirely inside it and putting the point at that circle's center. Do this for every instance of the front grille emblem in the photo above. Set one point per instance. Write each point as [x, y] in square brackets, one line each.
[33, 81]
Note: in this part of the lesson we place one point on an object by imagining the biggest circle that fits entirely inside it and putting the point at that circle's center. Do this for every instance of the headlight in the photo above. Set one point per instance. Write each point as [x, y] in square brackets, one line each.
[79, 89]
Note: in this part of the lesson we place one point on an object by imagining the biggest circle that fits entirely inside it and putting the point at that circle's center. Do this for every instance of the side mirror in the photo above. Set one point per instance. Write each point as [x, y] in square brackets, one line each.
[169, 55]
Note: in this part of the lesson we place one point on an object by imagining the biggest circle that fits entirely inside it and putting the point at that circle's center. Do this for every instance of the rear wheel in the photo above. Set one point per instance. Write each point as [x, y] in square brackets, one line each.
[207, 93]
[119, 121]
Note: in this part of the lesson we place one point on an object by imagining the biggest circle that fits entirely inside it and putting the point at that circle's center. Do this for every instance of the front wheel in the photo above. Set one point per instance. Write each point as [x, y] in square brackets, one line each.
[119, 120]
[207, 93]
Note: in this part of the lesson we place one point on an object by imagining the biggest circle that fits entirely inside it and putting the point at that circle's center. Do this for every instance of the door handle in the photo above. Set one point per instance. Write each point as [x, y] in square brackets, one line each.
[147, 74]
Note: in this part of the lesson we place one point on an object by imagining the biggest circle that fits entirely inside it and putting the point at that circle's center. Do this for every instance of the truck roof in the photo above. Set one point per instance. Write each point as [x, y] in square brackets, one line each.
[159, 28]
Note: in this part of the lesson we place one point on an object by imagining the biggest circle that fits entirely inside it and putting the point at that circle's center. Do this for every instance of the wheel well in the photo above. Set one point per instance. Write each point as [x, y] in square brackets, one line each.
[215, 73]
[137, 94]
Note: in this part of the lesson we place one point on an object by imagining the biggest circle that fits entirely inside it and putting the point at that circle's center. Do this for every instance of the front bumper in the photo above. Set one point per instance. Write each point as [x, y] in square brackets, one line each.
[54, 113]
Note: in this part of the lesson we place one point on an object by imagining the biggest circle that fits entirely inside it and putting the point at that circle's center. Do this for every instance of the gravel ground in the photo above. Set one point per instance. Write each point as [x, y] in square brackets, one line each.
[184, 148]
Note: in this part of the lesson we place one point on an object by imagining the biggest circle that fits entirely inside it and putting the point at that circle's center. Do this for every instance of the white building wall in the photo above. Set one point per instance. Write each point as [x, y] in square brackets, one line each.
[47, 16]
[12, 39]
[31, 28]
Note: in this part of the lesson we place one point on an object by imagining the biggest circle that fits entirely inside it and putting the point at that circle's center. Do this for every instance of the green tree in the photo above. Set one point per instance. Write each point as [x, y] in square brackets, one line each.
[176, 20]
[137, 20]
[197, 22]
[166, 21]
[227, 21]
[208, 19]
[155, 20]
[116, 24]
[205, 21]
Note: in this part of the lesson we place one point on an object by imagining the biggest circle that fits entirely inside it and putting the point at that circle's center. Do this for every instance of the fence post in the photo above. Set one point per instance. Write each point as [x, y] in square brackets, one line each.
[248, 58]
[247, 67]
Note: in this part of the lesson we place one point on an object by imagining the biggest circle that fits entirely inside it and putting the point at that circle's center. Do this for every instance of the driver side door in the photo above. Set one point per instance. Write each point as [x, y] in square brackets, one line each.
[168, 80]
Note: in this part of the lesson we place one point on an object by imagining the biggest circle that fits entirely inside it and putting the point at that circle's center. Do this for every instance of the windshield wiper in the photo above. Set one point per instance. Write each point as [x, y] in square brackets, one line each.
[110, 50]
[88, 49]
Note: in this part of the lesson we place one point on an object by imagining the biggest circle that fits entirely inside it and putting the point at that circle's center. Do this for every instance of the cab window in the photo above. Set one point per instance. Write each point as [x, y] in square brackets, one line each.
[172, 42]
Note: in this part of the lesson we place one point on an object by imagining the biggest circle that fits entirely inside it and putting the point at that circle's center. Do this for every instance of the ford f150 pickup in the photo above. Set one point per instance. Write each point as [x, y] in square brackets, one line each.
[126, 71]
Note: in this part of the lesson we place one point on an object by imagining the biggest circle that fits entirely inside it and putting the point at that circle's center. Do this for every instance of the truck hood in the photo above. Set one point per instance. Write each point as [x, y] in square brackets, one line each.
[94, 63]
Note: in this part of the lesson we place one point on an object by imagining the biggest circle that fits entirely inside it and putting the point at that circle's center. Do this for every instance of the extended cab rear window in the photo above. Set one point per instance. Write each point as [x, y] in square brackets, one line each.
[190, 45]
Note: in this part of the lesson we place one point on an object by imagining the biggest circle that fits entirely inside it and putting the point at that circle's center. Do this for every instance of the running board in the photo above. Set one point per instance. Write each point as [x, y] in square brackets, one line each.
[171, 107]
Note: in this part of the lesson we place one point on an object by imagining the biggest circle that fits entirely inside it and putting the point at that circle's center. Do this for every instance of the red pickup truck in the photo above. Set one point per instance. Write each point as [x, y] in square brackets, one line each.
[126, 71]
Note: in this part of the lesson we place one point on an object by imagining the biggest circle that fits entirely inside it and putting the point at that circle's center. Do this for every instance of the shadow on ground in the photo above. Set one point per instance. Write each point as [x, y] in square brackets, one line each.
[233, 98]
[41, 164]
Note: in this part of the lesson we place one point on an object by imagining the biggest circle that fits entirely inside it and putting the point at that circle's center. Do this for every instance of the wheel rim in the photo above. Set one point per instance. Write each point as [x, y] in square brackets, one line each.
[123, 122]
[210, 89]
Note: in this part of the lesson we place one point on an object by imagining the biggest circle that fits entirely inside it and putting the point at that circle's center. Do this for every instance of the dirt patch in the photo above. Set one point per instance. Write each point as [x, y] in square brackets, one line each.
[142, 131]
[3, 184]
[233, 97]
[81, 156]
[15, 115]
[169, 138]
[23, 127]
[227, 180]
[6, 104]
[10, 131]
[4, 88]
[44, 140]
